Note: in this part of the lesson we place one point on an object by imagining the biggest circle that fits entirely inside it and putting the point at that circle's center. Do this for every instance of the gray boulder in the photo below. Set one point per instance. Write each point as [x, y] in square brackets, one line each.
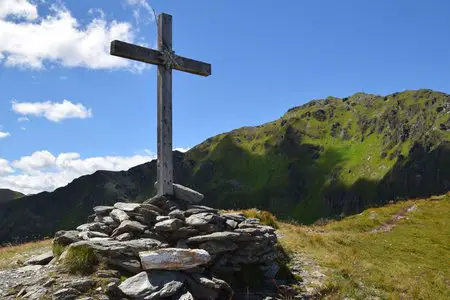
[42, 259]
[145, 284]
[129, 226]
[65, 238]
[103, 210]
[127, 207]
[119, 215]
[187, 194]
[169, 225]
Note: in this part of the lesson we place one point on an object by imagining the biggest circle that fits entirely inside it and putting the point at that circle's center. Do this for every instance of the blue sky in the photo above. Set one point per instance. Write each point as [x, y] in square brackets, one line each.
[266, 56]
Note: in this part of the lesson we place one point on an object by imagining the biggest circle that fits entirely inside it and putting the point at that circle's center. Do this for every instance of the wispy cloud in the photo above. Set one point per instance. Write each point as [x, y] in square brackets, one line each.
[142, 11]
[23, 119]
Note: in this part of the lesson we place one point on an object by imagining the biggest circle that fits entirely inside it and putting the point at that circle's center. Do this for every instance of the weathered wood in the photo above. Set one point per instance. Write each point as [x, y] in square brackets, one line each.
[193, 66]
[166, 60]
[165, 158]
[150, 56]
[130, 51]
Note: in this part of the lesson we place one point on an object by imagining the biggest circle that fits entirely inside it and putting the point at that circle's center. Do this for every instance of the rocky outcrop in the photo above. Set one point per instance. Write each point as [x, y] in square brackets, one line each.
[173, 247]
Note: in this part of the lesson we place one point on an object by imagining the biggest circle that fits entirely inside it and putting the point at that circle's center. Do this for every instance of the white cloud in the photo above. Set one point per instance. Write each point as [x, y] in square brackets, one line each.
[52, 111]
[5, 167]
[18, 8]
[37, 161]
[23, 119]
[181, 149]
[139, 5]
[4, 134]
[58, 38]
[43, 171]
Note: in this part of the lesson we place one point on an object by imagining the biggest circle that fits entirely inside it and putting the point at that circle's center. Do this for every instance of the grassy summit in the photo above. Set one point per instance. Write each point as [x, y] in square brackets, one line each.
[331, 156]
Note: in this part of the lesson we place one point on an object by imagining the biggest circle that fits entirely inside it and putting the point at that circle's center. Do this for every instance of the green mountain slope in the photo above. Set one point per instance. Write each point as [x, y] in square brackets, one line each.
[331, 156]
[324, 159]
[8, 195]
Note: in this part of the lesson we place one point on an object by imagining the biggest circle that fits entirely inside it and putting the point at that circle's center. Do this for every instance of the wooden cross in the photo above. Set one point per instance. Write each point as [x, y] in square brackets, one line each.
[166, 60]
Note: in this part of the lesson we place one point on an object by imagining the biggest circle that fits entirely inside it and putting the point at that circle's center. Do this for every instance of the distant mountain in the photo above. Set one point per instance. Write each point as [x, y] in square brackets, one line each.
[323, 159]
[8, 195]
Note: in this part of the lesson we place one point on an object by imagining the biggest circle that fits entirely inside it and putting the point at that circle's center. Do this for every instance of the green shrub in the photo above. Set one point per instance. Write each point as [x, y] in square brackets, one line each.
[80, 260]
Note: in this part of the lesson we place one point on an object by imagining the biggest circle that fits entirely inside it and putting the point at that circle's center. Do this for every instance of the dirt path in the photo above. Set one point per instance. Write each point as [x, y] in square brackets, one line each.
[390, 224]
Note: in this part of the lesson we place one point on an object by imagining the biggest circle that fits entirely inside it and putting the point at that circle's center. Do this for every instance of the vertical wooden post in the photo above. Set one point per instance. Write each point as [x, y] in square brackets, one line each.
[165, 158]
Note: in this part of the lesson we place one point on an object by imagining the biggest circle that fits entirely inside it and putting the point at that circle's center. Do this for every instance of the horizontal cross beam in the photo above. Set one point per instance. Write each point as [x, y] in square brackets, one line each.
[150, 56]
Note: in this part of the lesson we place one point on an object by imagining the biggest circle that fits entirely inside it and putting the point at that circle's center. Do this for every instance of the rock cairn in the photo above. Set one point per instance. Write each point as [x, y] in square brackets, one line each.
[174, 248]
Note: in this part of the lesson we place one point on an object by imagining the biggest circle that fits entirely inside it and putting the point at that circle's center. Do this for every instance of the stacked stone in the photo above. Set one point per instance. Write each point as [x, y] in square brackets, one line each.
[176, 247]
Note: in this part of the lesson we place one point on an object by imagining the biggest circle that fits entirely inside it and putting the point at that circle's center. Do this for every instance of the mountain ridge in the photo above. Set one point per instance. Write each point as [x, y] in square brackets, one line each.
[7, 195]
[323, 159]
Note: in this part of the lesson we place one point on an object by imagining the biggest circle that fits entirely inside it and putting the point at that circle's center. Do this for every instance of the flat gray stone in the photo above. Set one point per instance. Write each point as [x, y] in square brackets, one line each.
[196, 209]
[173, 259]
[203, 219]
[42, 259]
[217, 236]
[119, 215]
[86, 235]
[186, 194]
[103, 210]
[169, 225]
[106, 220]
[257, 230]
[162, 218]
[177, 214]
[125, 236]
[95, 226]
[66, 237]
[127, 207]
[238, 217]
[120, 250]
[129, 226]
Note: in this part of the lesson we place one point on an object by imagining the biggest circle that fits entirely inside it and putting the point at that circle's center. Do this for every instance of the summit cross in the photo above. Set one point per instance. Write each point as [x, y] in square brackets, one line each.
[166, 60]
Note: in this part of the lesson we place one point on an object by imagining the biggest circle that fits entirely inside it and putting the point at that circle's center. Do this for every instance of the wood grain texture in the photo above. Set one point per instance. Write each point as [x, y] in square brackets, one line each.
[165, 159]
[135, 52]
[150, 56]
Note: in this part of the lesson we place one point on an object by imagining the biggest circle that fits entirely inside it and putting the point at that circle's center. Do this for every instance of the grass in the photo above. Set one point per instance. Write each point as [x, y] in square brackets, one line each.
[265, 217]
[411, 261]
[57, 249]
[11, 254]
[80, 260]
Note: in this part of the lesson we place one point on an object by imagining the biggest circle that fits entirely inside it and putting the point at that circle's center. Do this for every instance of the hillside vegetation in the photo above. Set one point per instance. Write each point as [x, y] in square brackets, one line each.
[331, 157]
[328, 158]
